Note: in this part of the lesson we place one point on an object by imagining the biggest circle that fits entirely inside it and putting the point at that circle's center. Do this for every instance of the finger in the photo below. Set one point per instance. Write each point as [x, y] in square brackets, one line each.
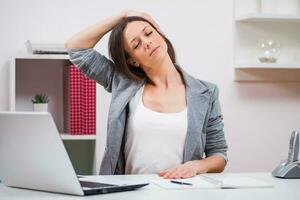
[179, 173]
[187, 175]
[167, 175]
[170, 171]
[162, 173]
[174, 173]
[184, 174]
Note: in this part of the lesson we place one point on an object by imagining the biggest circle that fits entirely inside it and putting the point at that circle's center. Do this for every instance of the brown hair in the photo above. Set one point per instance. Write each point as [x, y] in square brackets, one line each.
[119, 55]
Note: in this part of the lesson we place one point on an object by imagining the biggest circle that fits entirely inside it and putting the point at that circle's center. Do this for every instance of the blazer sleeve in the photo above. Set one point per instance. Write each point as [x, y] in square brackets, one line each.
[215, 138]
[94, 66]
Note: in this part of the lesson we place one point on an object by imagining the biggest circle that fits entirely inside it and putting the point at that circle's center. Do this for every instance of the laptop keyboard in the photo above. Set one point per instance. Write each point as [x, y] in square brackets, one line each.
[94, 184]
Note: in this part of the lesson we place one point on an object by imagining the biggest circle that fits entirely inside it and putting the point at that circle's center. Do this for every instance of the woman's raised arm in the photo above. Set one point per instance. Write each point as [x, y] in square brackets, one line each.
[92, 63]
[91, 35]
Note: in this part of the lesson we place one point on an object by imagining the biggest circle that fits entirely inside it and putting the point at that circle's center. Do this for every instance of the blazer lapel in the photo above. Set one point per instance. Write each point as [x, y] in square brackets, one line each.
[198, 102]
[117, 118]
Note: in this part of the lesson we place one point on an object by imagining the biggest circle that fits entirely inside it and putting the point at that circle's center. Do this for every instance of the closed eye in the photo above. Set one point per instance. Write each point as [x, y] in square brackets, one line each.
[147, 34]
[136, 46]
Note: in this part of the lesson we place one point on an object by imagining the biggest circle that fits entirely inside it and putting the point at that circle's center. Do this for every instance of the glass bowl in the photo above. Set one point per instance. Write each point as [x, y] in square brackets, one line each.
[268, 50]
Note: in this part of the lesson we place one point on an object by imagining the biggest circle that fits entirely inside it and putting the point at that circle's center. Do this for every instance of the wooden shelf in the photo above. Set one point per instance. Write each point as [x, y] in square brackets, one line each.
[66, 136]
[268, 66]
[259, 17]
[266, 75]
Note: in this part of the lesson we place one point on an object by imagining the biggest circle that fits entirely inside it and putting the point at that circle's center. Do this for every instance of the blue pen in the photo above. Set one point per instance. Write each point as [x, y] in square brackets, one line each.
[180, 182]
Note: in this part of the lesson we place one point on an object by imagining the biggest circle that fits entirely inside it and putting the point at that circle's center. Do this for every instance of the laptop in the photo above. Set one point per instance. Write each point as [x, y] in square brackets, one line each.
[33, 156]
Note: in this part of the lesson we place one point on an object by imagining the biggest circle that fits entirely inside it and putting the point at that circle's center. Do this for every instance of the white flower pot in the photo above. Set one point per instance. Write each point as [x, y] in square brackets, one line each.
[40, 107]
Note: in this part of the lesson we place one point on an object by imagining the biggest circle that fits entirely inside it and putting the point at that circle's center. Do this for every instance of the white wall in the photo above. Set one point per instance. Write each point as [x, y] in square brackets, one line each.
[258, 116]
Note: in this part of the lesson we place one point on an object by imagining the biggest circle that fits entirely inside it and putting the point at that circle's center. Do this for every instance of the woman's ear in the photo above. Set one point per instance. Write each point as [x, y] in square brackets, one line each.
[132, 62]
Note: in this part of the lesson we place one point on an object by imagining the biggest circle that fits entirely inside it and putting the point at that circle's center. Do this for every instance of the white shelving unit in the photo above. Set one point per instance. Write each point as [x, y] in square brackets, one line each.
[251, 26]
[260, 17]
[43, 56]
[31, 74]
[66, 136]
[267, 66]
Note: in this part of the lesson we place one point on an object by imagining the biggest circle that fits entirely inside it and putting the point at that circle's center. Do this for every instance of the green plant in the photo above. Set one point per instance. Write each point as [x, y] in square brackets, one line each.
[40, 98]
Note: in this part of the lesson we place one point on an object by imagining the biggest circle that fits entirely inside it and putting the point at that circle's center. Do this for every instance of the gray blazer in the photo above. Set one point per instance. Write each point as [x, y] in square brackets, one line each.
[205, 127]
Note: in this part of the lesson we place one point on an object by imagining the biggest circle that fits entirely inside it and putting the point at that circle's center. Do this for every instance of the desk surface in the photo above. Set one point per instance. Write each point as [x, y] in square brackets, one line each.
[283, 189]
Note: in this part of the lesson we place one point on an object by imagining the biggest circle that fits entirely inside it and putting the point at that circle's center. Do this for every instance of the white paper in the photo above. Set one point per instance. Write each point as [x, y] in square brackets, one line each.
[243, 182]
[205, 182]
[197, 183]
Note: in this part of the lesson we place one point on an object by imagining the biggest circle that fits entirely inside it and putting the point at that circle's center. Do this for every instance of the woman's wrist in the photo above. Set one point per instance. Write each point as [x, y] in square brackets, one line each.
[212, 164]
[201, 166]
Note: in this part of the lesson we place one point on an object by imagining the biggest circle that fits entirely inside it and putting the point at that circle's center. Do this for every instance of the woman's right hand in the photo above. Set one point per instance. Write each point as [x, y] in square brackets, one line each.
[130, 13]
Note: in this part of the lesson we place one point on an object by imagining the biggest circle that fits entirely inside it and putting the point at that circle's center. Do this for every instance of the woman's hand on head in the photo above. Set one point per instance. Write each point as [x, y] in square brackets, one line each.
[130, 13]
[186, 170]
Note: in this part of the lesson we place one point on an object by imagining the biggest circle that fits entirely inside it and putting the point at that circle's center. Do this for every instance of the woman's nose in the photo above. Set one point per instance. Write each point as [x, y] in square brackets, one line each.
[148, 44]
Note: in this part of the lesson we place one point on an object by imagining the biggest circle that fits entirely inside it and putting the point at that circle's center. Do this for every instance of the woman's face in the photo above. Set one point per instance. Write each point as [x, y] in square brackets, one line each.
[144, 44]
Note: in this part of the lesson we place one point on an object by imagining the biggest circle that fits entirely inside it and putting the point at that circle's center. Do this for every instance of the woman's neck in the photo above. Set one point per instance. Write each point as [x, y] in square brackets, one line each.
[165, 75]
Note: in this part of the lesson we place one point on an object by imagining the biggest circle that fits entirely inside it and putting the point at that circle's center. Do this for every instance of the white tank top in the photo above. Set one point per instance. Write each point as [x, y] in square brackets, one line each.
[154, 140]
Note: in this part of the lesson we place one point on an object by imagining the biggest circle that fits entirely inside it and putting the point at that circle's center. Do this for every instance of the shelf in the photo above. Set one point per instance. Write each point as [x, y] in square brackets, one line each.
[267, 66]
[48, 70]
[66, 136]
[259, 17]
[43, 56]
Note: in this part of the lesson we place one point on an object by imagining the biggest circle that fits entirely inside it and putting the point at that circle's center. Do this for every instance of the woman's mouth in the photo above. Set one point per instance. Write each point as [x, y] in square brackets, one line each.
[153, 50]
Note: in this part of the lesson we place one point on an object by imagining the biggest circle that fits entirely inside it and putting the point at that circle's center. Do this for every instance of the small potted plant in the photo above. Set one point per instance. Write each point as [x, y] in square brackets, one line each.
[40, 103]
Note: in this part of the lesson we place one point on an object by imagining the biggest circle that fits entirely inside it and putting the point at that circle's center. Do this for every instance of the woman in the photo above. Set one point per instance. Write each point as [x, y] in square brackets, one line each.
[161, 120]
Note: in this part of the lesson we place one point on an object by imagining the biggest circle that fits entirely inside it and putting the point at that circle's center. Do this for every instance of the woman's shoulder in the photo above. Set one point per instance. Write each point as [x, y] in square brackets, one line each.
[200, 83]
[211, 86]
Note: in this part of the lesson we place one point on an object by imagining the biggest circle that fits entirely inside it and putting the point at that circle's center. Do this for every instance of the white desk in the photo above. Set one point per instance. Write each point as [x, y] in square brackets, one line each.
[283, 189]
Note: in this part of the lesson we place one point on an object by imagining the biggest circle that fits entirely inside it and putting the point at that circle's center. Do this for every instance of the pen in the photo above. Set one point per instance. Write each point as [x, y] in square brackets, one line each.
[180, 182]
